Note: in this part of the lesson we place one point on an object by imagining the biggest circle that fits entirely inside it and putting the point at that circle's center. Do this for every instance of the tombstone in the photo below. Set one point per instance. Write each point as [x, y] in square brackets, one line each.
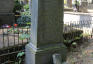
[6, 15]
[46, 34]
[83, 7]
[69, 3]
[22, 4]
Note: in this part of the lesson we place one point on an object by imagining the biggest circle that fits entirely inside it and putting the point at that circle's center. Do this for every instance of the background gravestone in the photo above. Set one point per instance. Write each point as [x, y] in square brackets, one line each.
[69, 3]
[6, 15]
[46, 32]
[83, 7]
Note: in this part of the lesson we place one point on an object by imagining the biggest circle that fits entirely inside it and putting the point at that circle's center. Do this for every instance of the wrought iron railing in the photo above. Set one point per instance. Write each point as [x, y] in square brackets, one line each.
[10, 43]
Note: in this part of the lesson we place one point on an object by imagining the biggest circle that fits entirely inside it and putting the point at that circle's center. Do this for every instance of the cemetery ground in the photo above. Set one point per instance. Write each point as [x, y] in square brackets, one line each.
[82, 53]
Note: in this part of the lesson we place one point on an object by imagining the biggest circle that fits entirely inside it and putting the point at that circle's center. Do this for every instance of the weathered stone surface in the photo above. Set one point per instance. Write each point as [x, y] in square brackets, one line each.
[44, 55]
[57, 58]
[83, 7]
[65, 63]
[30, 5]
[6, 6]
[6, 18]
[46, 22]
[46, 32]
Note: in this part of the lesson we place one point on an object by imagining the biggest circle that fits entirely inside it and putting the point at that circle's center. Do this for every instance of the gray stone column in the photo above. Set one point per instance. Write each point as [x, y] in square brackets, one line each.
[46, 32]
[69, 3]
[30, 5]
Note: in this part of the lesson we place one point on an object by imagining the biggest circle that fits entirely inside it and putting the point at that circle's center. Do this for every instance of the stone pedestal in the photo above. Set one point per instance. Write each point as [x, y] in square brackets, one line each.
[44, 55]
[46, 34]
[6, 18]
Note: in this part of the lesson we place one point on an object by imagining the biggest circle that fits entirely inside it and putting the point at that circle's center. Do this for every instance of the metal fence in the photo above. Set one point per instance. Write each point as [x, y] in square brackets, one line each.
[76, 30]
[10, 43]
[85, 26]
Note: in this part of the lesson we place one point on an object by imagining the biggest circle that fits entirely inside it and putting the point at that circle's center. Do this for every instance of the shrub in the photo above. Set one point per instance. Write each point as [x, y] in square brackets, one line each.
[17, 6]
[65, 1]
[19, 58]
[25, 13]
[23, 20]
[26, 7]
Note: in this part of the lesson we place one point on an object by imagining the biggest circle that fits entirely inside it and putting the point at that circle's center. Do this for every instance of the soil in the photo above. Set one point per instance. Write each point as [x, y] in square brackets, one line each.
[82, 54]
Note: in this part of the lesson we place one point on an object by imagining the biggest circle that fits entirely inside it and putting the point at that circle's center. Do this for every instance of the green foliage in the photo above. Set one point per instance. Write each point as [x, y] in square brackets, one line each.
[65, 1]
[86, 34]
[26, 27]
[28, 23]
[14, 30]
[23, 20]
[74, 43]
[26, 7]
[19, 55]
[84, 54]
[81, 35]
[67, 40]
[77, 3]
[17, 6]
[24, 36]
[77, 38]
[25, 13]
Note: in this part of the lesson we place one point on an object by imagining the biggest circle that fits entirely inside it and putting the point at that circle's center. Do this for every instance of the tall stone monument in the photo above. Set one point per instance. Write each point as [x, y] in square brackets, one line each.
[6, 15]
[46, 32]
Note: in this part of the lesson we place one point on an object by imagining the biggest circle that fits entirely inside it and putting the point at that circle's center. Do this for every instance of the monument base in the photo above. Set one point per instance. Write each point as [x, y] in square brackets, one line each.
[6, 18]
[44, 55]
